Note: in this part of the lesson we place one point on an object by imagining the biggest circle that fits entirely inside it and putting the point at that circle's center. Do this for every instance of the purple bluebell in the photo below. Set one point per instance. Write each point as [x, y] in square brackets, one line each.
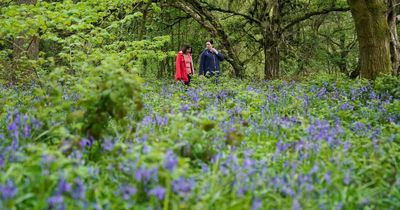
[146, 149]
[170, 161]
[93, 171]
[204, 168]
[78, 190]
[327, 177]
[184, 108]
[63, 186]
[159, 192]
[183, 186]
[288, 191]
[147, 120]
[365, 202]
[56, 201]
[13, 130]
[240, 191]
[296, 205]
[142, 174]
[256, 204]
[346, 106]
[1, 161]
[9, 190]
[107, 145]
[85, 143]
[27, 131]
[153, 173]
[314, 169]
[339, 206]
[127, 191]
[347, 178]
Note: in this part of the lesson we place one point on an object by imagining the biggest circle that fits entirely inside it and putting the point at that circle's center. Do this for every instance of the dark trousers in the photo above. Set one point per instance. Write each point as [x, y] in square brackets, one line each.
[188, 82]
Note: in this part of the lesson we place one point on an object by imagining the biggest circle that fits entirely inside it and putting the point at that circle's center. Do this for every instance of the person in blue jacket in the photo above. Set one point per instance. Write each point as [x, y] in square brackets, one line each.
[209, 61]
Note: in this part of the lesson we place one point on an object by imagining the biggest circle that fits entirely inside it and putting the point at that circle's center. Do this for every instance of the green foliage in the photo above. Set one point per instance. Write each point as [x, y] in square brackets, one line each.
[72, 33]
[388, 84]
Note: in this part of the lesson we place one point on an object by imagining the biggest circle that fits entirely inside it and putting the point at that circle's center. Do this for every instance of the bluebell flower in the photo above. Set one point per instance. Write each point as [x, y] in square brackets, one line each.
[146, 149]
[170, 161]
[184, 108]
[9, 190]
[78, 191]
[256, 204]
[63, 186]
[1, 161]
[204, 168]
[288, 191]
[27, 131]
[347, 178]
[56, 201]
[141, 174]
[328, 177]
[247, 162]
[108, 145]
[127, 191]
[153, 173]
[183, 186]
[296, 205]
[85, 143]
[36, 124]
[339, 206]
[147, 120]
[93, 171]
[241, 191]
[159, 192]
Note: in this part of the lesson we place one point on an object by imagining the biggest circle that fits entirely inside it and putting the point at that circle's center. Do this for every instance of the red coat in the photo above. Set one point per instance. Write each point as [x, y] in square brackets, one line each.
[180, 72]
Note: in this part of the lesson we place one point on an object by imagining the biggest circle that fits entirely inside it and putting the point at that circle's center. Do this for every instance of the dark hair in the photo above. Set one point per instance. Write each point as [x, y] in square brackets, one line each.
[211, 41]
[186, 47]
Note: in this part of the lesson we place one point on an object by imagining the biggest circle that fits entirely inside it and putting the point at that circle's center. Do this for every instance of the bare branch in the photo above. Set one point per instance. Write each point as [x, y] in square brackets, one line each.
[222, 10]
[315, 13]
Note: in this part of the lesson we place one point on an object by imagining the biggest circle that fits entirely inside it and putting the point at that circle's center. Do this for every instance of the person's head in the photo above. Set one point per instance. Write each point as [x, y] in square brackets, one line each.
[209, 44]
[186, 49]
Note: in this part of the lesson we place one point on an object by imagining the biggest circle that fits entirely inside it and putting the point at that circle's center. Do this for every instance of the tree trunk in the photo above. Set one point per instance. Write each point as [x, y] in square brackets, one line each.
[272, 58]
[142, 28]
[211, 23]
[394, 41]
[373, 36]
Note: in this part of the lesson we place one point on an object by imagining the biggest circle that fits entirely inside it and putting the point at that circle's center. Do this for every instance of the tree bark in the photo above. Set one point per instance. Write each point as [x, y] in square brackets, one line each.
[142, 28]
[272, 38]
[211, 23]
[373, 36]
[394, 39]
[272, 58]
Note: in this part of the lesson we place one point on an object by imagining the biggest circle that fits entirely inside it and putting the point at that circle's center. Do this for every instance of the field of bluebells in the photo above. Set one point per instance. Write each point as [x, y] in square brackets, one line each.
[319, 144]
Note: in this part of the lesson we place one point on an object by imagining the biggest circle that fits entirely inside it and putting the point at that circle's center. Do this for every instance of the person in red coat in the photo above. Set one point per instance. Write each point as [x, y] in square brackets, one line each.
[184, 65]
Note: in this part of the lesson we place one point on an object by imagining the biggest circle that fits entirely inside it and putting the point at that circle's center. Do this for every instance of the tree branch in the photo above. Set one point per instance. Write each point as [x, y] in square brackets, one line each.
[315, 13]
[247, 17]
[177, 20]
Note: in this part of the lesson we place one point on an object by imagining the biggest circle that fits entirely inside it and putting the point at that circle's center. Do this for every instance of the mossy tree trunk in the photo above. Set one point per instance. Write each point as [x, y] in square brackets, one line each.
[373, 36]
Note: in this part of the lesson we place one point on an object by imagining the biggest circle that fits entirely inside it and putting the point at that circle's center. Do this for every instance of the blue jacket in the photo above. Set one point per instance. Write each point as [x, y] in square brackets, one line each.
[209, 62]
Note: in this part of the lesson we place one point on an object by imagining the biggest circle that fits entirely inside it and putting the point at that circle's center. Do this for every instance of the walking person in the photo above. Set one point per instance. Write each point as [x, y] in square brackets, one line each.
[209, 61]
[184, 65]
